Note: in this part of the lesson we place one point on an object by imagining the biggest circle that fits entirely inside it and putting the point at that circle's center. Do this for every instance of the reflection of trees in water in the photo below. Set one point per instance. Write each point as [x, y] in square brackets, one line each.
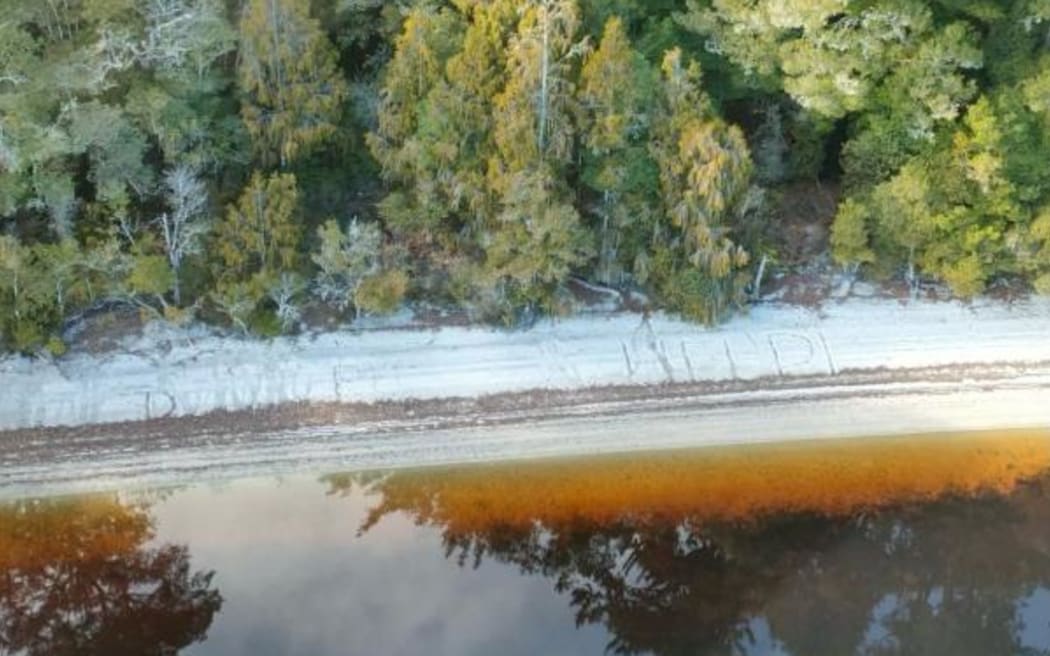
[79, 577]
[942, 577]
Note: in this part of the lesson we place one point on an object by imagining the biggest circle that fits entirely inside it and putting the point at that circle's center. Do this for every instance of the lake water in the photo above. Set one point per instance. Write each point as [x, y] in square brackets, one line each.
[937, 545]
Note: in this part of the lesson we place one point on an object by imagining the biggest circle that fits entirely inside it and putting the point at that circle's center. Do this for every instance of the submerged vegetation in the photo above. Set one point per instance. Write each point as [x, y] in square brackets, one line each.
[896, 546]
[245, 162]
[888, 546]
[87, 576]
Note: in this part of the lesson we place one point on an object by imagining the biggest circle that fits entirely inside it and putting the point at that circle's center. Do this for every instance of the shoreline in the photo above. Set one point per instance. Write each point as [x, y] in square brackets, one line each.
[176, 404]
[334, 438]
[169, 372]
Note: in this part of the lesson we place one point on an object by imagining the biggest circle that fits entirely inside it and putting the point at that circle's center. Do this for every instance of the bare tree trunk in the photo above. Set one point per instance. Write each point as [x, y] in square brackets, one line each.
[913, 284]
[278, 71]
[544, 78]
[604, 267]
[176, 288]
[17, 290]
[757, 289]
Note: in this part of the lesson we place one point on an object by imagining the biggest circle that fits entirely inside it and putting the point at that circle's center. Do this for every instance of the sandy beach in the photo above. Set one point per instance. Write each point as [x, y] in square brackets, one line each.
[177, 403]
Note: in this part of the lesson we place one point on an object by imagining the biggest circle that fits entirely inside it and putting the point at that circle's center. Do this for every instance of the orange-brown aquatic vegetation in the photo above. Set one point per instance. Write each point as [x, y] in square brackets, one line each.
[83, 576]
[716, 484]
[48, 531]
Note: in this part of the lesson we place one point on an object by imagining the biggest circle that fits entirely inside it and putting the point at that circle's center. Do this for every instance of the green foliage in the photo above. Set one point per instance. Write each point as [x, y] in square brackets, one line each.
[264, 322]
[346, 259]
[807, 136]
[537, 103]
[534, 238]
[965, 210]
[258, 239]
[260, 233]
[702, 297]
[616, 87]
[55, 347]
[539, 239]
[237, 301]
[40, 284]
[382, 293]
[878, 149]
[850, 239]
[494, 149]
[705, 172]
[423, 124]
[151, 276]
[836, 57]
[288, 73]
[27, 305]
[428, 38]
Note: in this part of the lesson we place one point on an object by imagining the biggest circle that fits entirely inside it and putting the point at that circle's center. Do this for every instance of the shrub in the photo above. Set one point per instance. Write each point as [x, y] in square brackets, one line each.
[382, 293]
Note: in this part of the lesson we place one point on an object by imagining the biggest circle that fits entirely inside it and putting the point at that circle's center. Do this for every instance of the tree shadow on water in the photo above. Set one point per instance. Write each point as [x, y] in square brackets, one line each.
[938, 577]
[82, 576]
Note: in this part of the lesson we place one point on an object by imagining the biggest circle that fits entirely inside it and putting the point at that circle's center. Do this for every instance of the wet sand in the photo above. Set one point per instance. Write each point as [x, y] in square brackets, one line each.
[324, 438]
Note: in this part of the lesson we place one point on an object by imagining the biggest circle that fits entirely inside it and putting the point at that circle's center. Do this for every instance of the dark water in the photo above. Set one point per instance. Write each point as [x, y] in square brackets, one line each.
[939, 546]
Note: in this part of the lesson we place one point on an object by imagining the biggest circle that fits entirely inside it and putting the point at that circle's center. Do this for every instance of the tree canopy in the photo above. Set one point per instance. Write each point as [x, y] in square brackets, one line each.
[193, 159]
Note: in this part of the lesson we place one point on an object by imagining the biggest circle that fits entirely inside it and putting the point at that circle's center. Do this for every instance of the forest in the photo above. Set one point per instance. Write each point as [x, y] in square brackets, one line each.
[249, 162]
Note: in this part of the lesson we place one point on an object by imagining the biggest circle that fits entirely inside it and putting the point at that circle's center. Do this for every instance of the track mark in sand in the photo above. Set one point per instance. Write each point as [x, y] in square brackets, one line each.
[563, 362]
[688, 362]
[167, 396]
[729, 356]
[352, 376]
[776, 355]
[659, 350]
[827, 351]
[556, 363]
[780, 347]
[627, 359]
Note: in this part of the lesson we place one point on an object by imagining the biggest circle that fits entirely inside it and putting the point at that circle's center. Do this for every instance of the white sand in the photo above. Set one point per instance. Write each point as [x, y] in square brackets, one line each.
[763, 416]
[172, 372]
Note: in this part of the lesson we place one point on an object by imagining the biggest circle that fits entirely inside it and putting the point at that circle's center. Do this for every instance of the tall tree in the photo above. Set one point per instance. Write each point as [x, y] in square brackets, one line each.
[835, 56]
[184, 225]
[616, 87]
[536, 237]
[260, 234]
[185, 36]
[288, 72]
[537, 103]
[345, 259]
[705, 172]
[965, 210]
[895, 66]
[186, 103]
[454, 142]
[407, 141]
[539, 240]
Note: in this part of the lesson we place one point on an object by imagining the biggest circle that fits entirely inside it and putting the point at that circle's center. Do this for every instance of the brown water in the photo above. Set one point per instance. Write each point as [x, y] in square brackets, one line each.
[933, 545]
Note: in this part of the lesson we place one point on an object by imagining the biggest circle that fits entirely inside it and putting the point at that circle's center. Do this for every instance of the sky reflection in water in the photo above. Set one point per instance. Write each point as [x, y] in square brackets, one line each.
[939, 546]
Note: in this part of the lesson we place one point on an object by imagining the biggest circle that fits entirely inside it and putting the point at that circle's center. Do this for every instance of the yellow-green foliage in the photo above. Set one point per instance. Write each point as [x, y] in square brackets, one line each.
[382, 293]
[151, 275]
[345, 259]
[40, 284]
[965, 210]
[260, 233]
[498, 148]
[849, 235]
[288, 72]
[705, 172]
[616, 92]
